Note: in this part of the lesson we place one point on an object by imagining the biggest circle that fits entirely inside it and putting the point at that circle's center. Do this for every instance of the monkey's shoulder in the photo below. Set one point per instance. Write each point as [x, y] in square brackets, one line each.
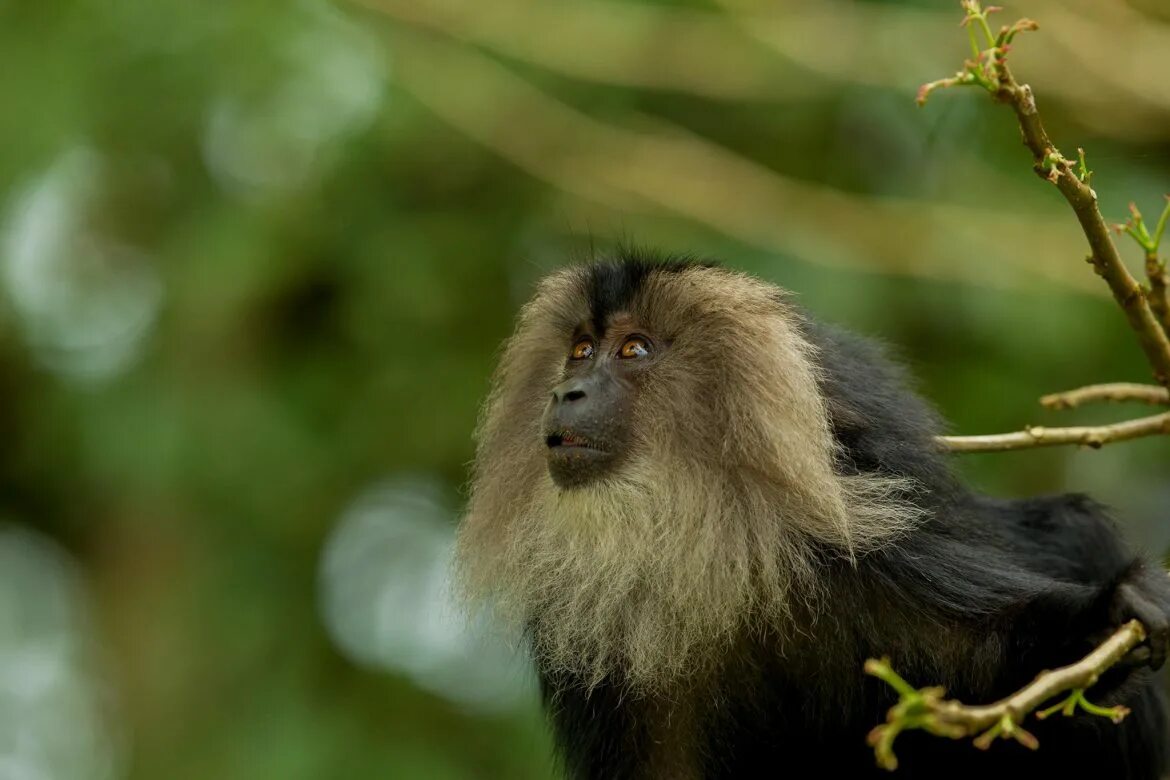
[878, 418]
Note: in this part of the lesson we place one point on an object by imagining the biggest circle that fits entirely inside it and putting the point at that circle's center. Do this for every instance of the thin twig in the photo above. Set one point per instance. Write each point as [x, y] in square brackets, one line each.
[1156, 269]
[1159, 291]
[1114, 392]
[1050, 164]
[1105, 259]
[988, 69]
[927, 709]
[1094, 436]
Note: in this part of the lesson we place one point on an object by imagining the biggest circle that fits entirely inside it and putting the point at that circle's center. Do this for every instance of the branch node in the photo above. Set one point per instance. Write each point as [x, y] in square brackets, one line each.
[1076, 701]
[927, 710]
[1027, 101]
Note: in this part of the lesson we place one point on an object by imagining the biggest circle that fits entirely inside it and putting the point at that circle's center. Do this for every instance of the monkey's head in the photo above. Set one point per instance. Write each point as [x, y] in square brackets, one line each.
[655, 472]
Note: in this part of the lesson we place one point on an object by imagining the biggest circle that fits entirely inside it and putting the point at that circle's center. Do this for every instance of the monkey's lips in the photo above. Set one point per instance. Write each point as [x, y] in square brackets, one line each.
[575, 461]
[570, 443]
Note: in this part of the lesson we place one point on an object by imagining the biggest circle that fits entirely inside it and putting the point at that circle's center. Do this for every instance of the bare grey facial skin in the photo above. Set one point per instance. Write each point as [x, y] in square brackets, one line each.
[587, 422]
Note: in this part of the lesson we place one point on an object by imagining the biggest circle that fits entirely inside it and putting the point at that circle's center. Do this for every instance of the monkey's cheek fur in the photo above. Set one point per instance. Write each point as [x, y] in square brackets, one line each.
[575, 467]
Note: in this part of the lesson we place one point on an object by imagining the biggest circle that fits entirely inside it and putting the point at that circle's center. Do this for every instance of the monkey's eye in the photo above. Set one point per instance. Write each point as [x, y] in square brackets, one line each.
[634, 347]
[582, 350]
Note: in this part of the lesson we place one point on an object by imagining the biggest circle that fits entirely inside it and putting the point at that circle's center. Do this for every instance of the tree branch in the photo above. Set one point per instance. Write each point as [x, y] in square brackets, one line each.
[1094, 436]
[989, 69]
[1050, 164]
[927, 709]
[1114, 392]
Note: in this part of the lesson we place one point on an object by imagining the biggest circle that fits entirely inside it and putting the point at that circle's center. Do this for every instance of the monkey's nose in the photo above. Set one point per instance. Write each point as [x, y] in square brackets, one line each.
[568, 392]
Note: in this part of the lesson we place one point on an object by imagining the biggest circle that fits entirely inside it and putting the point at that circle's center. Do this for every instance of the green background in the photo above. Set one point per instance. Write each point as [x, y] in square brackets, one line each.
[256, 259]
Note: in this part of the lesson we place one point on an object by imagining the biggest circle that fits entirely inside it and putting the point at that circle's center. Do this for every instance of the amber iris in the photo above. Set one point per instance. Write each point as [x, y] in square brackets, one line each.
[634, 347]
[583, 349]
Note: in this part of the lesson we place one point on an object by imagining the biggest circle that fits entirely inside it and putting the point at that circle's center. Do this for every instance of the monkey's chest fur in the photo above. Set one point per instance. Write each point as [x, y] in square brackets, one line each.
[751, 714]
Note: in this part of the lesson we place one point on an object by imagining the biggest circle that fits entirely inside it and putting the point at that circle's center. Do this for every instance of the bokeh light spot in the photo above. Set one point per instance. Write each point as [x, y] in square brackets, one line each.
[386, 599]
[331, 88]
[85, 300]
[54, 709]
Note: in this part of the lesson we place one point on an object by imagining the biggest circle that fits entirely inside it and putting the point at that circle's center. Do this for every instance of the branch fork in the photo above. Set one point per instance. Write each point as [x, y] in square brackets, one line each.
[927, 709]
[1158, 291]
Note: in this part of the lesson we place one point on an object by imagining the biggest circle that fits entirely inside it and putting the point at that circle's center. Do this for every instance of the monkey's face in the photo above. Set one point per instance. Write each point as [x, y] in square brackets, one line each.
[646, 396]
[588, 420]
[628, 374]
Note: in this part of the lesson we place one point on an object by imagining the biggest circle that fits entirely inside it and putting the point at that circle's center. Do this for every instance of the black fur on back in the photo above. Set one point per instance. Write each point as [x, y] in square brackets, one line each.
[982, 597]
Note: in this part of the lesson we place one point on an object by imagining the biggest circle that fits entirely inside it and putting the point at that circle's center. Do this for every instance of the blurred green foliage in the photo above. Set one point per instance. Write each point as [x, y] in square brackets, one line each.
[259, 257]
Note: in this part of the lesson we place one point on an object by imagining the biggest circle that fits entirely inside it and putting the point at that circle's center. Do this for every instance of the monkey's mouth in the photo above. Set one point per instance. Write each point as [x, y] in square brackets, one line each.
[574, 460]
[567, 440]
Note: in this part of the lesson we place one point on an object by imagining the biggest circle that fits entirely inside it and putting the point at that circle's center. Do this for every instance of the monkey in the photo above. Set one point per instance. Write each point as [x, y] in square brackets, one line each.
[703, 509]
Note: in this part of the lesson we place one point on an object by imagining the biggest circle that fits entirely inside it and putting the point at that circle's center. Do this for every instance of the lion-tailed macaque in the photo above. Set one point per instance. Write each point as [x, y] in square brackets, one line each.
[704, 511]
